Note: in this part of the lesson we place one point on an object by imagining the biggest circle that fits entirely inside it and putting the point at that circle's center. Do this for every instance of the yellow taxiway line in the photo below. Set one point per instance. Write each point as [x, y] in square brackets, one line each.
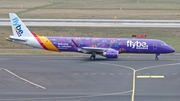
[150, 76]
[141, 77]
[158, 77]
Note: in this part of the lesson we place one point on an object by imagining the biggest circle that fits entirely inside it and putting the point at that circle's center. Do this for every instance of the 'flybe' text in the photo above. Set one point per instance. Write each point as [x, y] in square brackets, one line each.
[137, 44]
[17, 27]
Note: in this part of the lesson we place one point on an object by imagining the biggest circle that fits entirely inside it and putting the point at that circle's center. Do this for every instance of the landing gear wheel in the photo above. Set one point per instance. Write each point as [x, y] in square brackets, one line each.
[92, 57]
[157, 58]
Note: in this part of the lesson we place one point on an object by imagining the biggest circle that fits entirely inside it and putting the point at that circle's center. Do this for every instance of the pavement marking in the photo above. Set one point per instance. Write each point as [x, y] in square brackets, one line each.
[69, 97]
[115, 65]
[157, 76]
[134, 85]
[150, 76]
[134, 73]
[32, 83]
[134, 76]
[98, 95]
[165, 65]
[108, 74]
[141, 77]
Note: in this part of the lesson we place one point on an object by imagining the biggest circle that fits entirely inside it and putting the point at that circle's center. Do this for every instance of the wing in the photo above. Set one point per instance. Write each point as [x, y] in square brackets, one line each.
[93, 49]
[89, 50]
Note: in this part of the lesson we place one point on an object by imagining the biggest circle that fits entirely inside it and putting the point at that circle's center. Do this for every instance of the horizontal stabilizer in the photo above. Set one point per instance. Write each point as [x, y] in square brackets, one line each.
[12, 38]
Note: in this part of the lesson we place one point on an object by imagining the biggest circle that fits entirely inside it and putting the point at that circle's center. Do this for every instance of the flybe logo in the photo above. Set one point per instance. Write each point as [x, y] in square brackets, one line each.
[137, 44]
[17, 27]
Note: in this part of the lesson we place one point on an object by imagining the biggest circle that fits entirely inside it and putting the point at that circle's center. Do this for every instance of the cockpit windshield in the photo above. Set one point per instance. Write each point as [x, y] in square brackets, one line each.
[163, 43]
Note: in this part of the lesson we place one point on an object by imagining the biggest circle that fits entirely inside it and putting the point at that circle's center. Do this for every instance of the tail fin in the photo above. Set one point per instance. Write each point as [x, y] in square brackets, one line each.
[18, 27]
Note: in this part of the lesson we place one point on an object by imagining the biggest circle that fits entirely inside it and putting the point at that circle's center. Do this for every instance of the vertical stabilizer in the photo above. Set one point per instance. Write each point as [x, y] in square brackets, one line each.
[18, 27]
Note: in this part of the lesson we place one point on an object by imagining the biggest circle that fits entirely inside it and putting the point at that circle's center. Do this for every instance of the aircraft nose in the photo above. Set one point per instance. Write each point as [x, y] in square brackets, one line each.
[171, 49]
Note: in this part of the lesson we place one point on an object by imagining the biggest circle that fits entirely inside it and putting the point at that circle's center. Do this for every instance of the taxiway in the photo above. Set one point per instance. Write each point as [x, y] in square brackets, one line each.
[76, 78]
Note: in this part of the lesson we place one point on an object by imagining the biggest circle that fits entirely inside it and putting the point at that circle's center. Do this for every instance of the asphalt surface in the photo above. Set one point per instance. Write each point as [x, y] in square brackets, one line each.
[73, 78]
[97, 23]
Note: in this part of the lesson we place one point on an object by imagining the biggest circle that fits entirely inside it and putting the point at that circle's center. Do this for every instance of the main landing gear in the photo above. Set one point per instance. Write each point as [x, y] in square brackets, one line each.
[93, 56]
[157, 57]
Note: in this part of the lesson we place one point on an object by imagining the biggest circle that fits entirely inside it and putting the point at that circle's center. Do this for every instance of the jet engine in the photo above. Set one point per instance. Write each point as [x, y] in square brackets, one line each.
[111, 53]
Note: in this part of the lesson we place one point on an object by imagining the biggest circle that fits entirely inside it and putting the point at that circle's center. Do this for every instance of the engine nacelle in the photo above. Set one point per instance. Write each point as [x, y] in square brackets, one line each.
[111, 54]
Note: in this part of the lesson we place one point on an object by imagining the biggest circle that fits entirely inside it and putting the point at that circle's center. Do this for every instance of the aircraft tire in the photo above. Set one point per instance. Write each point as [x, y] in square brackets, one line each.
[92, 58]
[157, 58]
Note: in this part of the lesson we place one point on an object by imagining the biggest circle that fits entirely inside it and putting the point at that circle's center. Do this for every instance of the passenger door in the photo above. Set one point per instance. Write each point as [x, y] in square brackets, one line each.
[154, 45]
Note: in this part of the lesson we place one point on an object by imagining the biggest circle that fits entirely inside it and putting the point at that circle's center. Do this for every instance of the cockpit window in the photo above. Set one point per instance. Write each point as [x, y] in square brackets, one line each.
[163, 43]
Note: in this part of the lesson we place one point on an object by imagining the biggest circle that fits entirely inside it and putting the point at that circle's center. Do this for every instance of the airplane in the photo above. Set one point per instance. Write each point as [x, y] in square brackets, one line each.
[107, 47]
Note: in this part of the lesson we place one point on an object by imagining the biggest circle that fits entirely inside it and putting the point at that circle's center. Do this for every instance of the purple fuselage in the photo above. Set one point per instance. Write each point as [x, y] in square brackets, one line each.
[123, 45]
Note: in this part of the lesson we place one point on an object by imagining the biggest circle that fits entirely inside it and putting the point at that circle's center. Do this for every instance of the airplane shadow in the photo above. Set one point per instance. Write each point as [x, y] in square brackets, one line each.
[98, 59]
[86, 59]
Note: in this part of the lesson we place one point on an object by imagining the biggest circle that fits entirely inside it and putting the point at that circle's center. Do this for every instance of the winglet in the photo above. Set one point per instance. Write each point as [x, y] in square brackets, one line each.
[75, 44]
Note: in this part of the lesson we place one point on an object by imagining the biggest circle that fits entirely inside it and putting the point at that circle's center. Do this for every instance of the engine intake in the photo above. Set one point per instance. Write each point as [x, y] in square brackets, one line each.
[111, 54]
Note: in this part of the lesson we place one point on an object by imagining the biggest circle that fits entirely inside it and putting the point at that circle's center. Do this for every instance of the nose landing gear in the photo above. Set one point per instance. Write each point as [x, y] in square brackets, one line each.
[157, 57]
